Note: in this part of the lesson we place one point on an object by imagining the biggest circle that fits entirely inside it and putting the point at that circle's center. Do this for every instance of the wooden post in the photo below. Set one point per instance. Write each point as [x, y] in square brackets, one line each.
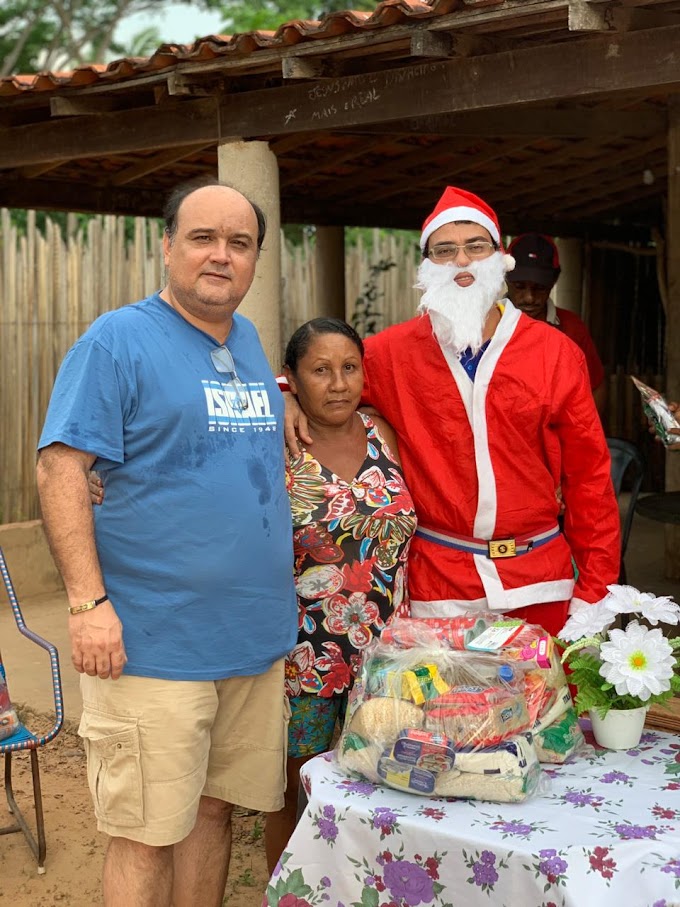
[568, 292]
[672, 558]
[252, 168]
[330, 272]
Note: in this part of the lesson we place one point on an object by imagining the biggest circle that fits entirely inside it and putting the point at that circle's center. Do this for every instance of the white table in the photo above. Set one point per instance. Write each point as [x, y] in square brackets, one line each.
[605, 831]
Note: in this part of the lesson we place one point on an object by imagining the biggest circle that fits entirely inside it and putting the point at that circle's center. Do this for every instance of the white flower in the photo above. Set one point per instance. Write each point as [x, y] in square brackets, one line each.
[637, 661]
[656, 609]
[587, 621]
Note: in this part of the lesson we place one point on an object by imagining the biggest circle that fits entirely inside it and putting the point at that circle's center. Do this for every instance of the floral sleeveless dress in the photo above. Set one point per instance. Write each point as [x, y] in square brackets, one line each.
[351, 542]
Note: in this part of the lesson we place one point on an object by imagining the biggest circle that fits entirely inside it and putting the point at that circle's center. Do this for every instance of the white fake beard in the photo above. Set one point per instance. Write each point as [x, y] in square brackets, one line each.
[458, 314]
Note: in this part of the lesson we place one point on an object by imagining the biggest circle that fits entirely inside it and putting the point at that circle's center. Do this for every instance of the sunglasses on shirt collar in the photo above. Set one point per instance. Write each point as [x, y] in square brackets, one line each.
[225, 365]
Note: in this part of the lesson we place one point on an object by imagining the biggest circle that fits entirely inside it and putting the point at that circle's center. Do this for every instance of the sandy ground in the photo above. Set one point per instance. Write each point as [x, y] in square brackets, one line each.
[75, 849]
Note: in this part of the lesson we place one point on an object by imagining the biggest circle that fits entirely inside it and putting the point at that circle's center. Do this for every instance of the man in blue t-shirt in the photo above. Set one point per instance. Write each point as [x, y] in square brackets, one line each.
[180, 586]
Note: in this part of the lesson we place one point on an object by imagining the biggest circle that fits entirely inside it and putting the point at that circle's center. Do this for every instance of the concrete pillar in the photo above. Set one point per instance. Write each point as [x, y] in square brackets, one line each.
[252, 168]
[329, 260]
[569, 290]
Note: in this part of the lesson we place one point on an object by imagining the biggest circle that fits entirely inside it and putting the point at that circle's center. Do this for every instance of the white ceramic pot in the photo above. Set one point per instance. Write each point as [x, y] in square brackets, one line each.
[620, 729]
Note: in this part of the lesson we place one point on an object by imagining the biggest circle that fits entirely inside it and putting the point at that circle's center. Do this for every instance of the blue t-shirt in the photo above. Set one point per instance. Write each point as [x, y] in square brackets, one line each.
[194, 535]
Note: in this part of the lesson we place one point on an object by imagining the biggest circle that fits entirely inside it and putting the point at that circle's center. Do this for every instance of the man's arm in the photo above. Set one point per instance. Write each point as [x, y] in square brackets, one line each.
[600, 397]
[96, 635]
[592, 524]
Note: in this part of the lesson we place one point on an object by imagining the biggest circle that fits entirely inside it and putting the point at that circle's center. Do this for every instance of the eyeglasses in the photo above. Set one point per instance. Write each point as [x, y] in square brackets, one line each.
[449, 251]
[224, 364]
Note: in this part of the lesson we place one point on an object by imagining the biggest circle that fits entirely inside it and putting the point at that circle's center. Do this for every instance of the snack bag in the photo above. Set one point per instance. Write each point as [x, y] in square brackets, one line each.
[9, 720]
[658, 414]
[556, 741]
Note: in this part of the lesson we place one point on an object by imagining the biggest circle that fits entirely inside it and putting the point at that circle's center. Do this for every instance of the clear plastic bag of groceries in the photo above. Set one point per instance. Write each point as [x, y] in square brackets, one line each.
[9, 721]
[433, 715]
[525, 648]
[658, 413]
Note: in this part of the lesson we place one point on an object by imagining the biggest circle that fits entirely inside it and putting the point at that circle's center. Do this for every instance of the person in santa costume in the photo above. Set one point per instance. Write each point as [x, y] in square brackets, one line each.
[493, 411]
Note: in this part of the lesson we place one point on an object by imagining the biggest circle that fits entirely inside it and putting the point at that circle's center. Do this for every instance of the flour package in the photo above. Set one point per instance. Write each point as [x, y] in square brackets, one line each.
[448, 708]
[658, 414]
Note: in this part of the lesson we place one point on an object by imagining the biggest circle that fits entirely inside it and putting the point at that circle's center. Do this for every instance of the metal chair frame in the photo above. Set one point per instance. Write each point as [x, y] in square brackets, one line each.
[23, 739]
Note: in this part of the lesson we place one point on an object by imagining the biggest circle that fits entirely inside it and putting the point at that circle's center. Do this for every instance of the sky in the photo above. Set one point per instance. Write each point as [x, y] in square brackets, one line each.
[177, 24]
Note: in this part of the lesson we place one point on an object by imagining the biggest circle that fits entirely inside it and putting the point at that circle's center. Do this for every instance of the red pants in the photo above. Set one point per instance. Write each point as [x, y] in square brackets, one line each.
[551, 616]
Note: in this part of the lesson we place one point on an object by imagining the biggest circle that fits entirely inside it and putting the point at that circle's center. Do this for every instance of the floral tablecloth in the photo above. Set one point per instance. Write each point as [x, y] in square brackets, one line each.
[605, 830]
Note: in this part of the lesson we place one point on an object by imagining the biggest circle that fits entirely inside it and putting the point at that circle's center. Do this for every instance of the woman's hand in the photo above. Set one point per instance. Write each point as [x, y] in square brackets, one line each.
[95, 487]
[295, 425]
[675, 410]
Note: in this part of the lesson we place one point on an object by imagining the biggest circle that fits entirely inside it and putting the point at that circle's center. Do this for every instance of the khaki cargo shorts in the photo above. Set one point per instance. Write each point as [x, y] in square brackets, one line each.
[154, 747]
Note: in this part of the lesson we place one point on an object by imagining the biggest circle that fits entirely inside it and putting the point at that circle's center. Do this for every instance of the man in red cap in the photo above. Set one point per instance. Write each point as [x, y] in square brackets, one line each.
[537, 267]
[493, 411]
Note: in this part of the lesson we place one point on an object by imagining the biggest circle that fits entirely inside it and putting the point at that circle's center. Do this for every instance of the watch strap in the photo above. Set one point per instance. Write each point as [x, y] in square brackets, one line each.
[88, 606]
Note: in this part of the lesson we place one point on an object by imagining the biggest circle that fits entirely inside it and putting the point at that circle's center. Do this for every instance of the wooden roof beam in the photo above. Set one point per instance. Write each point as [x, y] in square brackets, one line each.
[603, 195]
[601, 161]
[439, 44]
[604, 66]
[400, 165]
[298, 209]
[624, 171]
[598, 208]
[37, 170]
[61, 106]
[79, 195]
[295, 67]
[156, 162]
[587, 16]
[281, 145]
[577, 70]
[575, 122]
[464, 163]
[183, 86]
[323, 163]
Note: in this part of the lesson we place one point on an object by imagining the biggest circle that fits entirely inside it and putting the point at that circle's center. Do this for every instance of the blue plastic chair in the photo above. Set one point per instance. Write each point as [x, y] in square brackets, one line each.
[625, 456]
[23, 739]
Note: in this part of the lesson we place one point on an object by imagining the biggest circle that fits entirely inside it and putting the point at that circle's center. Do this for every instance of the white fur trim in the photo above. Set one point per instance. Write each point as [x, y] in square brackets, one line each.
[522, 597]
[485, 518]
[450, 215]
[509, 262]
[446, 607]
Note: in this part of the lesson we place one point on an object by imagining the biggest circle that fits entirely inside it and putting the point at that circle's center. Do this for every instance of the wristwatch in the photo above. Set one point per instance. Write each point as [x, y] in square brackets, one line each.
[88, 606]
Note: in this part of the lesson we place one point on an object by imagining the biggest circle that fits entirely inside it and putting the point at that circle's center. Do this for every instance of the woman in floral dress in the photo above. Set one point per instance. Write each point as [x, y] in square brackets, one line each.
[353, 519]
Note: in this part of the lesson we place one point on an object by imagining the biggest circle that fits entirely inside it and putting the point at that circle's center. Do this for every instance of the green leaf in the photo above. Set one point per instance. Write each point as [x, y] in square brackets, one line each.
[369, 898]
[295, 884]
[593, 641]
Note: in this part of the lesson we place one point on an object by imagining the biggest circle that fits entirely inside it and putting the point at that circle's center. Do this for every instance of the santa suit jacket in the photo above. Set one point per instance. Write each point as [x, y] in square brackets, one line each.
[483, 460]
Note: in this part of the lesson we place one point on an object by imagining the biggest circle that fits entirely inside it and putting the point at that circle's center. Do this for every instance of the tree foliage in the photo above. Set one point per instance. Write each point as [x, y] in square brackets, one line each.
[255, 15]
[61, 34]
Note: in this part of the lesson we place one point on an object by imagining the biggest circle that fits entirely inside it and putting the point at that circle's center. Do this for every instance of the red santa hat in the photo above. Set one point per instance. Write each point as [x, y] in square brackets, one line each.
[457, 204]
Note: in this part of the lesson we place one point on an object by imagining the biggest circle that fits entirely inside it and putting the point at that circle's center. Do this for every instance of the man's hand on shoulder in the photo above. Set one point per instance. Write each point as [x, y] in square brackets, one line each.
[97, 642]
[295, 425]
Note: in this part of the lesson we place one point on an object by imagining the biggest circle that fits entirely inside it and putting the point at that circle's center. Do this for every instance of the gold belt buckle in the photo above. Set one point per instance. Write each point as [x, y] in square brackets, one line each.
[502, 548]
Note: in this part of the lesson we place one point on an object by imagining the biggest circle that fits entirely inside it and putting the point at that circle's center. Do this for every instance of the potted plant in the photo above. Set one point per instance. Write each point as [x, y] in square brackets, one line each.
[619, 673]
